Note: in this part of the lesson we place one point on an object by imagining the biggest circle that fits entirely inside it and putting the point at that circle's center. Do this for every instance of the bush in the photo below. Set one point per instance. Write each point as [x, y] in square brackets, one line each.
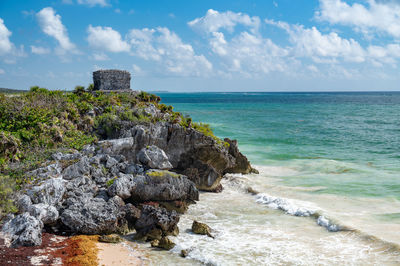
[7, 186]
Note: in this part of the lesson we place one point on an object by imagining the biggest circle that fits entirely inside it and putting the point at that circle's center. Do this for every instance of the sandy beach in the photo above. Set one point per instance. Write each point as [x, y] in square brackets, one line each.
[119, 254]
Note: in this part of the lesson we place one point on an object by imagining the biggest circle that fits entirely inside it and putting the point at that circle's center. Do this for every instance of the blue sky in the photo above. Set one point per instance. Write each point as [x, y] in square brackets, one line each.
[265, 45]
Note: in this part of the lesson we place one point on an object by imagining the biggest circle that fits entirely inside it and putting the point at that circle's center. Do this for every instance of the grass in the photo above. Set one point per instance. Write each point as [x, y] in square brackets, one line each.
[162, 173]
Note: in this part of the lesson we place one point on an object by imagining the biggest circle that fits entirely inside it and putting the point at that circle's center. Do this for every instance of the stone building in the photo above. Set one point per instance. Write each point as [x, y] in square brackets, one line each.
[111, 79]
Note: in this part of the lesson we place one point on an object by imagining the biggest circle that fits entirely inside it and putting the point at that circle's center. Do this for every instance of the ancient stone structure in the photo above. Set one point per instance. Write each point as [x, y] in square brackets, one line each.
[111, 80]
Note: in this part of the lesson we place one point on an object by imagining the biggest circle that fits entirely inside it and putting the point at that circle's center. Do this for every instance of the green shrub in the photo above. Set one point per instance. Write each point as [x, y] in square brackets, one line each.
[7, 188]
[107, 124]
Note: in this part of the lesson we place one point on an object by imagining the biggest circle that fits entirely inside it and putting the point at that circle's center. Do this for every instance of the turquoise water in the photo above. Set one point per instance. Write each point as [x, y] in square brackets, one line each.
[343, 143]
[329, 181]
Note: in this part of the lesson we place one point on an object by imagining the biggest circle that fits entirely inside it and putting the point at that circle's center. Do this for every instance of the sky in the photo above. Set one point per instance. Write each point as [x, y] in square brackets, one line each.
[191, 46]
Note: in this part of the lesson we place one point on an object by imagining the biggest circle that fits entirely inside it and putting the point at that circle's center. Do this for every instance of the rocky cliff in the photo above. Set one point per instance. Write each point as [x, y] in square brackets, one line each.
[139, 177]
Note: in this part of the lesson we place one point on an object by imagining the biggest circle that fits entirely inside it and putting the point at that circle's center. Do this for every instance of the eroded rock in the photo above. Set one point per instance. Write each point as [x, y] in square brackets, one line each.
[153, 218]
[154, 157]
[24, 230]
[201, 229]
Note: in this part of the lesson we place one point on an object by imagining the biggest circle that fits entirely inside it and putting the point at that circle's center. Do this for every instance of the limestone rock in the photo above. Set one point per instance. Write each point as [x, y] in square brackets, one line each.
[164, 243]
[24, 202]
[122, 186]
[154, 158]
[201, 229]
[43, 173]
[92, 216]
[82, 167]
[44, 212]
[156, 218]
[24, 230]
[50, 192]
[159, 185]
[242, 165]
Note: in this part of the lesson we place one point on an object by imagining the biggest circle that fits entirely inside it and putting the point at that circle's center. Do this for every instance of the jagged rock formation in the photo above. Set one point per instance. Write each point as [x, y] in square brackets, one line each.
[111, 80]
[139, 180]
[92, 193]
[189, 152]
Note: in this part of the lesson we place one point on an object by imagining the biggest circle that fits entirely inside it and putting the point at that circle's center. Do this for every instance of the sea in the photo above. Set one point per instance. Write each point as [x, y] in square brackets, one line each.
[329, 181]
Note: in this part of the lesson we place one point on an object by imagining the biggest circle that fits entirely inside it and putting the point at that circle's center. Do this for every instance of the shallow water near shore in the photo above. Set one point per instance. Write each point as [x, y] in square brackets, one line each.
[329, 180]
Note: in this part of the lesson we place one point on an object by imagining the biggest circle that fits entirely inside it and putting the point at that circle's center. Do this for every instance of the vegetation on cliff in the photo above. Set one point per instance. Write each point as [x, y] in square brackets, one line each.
[39, 122]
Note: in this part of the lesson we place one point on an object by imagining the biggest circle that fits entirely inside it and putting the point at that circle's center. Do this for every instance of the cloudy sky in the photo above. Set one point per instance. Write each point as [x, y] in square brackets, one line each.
[265, 45]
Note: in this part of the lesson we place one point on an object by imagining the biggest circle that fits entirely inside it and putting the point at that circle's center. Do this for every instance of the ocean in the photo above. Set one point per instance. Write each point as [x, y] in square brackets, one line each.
[329, 180]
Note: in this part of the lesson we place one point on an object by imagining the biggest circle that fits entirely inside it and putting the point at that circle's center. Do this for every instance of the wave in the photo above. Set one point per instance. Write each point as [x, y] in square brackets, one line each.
[299, 208]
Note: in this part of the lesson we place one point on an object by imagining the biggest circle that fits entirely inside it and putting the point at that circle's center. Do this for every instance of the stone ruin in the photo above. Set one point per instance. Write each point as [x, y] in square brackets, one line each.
[111, 80]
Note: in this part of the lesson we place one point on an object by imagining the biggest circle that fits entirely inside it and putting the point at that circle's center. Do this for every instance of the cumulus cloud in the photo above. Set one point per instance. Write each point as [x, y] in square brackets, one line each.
[169, 51]
[310, 42]
[214, 21]
[51, 24]
[2, 71]
[330, 47]
[39, 50]
[92, 3]
[246, 52]
[381, 16]
[5, 44]
[105, 38]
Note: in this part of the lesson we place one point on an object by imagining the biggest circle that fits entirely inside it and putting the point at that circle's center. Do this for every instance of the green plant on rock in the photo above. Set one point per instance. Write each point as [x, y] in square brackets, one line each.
[7, 186]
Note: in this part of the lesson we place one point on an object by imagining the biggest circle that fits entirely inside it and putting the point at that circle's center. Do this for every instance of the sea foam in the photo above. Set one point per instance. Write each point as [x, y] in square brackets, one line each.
[298, 208]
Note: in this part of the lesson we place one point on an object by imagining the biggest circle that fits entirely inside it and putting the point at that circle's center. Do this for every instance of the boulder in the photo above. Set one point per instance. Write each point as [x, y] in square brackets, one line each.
[49, 192]
[93, 216]
[82, 167]
[153, 218]
[160, 185]
[164, 243]
[23, 230]
[122, 186]
[154, 157]
[44, 212]
[201, 229]
[23, 203]
[155, 185]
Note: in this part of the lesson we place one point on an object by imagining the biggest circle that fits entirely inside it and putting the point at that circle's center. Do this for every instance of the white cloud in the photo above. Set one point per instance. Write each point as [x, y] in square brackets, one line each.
[331, 48]
[5, 44]
[39, 50]
[92, 3]
[376, 16]
[246, 52]
[51, 24]
[2, 71]
[172, 54]
[105, 38]
[310, 42]
[100, 57]
[214, 21]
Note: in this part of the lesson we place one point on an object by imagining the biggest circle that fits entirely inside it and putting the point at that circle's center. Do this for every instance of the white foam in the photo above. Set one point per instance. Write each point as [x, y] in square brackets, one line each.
[289, 206]
[328, 224]
[298, 208]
